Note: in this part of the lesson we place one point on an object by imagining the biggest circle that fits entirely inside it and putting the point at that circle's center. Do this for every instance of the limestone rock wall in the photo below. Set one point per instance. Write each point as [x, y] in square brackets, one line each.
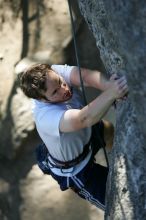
[119, 30]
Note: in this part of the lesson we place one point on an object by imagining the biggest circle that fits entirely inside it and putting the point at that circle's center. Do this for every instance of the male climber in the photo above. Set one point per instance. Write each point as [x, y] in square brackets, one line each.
[65, 125]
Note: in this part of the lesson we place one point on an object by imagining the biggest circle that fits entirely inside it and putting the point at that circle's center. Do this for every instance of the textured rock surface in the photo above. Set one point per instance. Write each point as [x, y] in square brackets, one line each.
[16, 125]
[119, 30]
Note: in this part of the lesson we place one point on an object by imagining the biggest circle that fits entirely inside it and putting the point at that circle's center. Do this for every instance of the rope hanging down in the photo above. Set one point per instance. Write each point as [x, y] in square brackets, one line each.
[76, 53]
[79, 68]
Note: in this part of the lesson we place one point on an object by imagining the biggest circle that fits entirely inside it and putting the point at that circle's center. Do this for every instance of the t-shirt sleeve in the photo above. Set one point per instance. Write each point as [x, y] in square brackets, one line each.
[48, 121]
[64, 71]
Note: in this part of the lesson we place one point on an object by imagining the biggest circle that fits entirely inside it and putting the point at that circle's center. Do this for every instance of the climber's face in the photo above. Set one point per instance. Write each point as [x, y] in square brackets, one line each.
[57, 89]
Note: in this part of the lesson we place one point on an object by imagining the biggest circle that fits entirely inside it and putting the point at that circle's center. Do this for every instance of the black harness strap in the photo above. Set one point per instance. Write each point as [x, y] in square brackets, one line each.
[46, 161]
[71, 163]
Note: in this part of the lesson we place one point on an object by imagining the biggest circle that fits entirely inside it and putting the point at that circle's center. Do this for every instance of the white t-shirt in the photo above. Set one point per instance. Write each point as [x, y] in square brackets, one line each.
[62, 146]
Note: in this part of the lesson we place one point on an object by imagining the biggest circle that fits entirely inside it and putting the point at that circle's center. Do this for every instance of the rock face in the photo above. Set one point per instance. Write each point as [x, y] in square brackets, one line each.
[119, 30]
[16, 125]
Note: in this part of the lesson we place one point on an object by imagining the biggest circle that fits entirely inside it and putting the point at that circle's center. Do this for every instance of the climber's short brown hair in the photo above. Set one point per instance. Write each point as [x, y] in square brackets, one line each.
[33, 80]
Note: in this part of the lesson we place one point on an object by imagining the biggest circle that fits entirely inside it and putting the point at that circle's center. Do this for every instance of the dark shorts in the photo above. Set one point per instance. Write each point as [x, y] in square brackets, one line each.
[90, 182]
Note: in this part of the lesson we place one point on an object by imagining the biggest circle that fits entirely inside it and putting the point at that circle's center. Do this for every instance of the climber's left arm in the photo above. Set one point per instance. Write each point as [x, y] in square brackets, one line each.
[91, 78]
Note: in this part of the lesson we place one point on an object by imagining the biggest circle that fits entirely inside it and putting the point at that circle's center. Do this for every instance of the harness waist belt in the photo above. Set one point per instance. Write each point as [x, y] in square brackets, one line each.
[68, 164]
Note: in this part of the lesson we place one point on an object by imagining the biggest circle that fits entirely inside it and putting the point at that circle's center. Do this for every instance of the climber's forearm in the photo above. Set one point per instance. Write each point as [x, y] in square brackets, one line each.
[91, 78]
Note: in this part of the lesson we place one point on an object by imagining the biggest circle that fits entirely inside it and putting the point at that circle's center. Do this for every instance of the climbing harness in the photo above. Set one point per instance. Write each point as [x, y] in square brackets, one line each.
[44, 155]
[46, 161]
[81, 80]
